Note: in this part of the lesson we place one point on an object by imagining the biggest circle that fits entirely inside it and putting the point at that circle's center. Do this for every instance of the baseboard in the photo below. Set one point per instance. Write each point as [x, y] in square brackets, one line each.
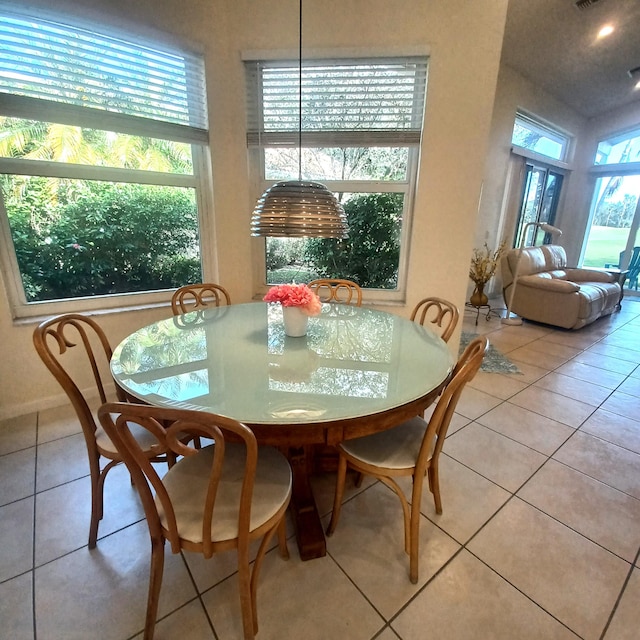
[16, 410]
[51, 402]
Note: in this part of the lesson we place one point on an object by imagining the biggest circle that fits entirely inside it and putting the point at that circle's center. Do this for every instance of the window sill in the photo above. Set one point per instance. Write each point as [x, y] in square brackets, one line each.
[124, 308]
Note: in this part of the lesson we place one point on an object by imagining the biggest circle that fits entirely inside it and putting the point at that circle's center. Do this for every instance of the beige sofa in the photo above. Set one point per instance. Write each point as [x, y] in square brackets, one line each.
[550, 292]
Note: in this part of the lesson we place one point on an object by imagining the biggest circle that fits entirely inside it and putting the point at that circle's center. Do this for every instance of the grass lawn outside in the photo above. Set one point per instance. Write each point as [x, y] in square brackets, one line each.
[604, 246]
[291, 274]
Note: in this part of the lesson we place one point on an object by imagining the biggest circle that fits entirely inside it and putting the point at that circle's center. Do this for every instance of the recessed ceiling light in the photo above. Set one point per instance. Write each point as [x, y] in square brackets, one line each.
[637, 87]
[607, 30]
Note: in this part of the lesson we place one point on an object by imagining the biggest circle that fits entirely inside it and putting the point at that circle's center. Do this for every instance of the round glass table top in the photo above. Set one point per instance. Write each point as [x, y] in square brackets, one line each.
[236, 361]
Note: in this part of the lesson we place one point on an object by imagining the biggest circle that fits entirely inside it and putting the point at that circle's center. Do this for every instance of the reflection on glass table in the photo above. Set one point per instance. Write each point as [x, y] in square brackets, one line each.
[236, 361]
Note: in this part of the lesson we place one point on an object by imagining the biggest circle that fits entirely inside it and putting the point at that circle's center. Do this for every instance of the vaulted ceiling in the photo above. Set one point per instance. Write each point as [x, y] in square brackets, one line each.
[555, 44]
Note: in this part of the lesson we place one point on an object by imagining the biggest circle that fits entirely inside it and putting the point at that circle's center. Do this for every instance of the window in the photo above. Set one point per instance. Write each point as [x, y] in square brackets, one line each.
[100, 146]
[538, 202]
[361, 123]
[533, 135]
[619, 149]
[614, 231]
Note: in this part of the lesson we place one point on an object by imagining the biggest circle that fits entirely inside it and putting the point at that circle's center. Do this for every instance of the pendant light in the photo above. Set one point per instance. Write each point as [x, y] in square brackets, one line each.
[299, 208]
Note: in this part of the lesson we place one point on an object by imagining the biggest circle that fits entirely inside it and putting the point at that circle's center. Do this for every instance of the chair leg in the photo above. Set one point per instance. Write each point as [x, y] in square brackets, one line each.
[97, 498]
[414, 525]
[414, 543]
[97, 492]
[247, 588]
[406, 509]
[257, 566]
[434, 485]
[341, 477]
[282, 538]
[155, 582]
[96, 511]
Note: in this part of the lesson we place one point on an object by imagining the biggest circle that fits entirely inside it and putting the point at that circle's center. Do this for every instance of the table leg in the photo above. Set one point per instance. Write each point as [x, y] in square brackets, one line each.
[309, 532]
[621, 280]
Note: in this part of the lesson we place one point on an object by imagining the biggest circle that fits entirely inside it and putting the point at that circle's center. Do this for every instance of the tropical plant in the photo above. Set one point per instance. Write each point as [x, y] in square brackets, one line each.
[115, 238]
[80, 237]
[370, 254]
[36, 140]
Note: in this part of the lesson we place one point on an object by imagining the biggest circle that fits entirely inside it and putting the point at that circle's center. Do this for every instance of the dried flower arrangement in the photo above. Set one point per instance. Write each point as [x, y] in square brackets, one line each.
[484, 263]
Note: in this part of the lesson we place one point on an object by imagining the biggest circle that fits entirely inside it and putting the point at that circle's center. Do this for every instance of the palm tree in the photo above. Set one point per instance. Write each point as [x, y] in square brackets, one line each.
[35, 140]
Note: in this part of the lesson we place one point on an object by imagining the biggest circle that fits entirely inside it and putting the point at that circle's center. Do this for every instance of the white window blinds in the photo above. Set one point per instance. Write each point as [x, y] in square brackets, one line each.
[45, 64]
[346, 102]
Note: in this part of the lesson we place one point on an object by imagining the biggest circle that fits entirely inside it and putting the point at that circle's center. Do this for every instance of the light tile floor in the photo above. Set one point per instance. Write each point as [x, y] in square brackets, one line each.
[539, 538]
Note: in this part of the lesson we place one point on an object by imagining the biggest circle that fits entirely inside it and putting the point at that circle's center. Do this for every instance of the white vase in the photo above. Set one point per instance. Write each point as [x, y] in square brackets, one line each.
[295, 322]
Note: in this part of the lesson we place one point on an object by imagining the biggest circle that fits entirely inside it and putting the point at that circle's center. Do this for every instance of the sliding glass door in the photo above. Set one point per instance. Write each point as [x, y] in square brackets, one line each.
[539, 201]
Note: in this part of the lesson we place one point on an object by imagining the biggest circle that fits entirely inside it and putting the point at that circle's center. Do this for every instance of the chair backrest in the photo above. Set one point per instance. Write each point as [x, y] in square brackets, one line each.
[634, 268]
[337, 290]
[75, 349]
[196, 296]
[438, 311]
[634, 258]
[465, 369]
[165, 509]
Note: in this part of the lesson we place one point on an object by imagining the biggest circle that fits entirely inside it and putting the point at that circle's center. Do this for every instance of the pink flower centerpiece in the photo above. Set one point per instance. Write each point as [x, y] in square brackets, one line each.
[295, 295]
[298, 303]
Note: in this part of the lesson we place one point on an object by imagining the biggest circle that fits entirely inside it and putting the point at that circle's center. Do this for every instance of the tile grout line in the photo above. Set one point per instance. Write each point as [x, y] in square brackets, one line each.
[619, 598]
[33, 533]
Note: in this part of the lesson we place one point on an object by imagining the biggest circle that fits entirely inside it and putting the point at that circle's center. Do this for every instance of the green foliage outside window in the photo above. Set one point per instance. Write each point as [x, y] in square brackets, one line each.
[107, 239]
[370, 255]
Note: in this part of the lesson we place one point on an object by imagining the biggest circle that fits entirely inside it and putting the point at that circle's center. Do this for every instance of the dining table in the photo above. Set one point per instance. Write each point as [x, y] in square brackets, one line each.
[356, 371]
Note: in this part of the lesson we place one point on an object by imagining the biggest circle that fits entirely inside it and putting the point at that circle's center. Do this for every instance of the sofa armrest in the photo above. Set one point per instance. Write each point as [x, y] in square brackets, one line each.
[548, 284]
[589, 275]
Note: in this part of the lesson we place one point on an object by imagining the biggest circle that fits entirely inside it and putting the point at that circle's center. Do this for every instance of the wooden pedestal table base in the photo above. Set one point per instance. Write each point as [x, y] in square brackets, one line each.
[306, 519]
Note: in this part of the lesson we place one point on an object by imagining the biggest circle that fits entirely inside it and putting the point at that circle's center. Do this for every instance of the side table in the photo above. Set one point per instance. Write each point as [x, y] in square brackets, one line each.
[620, 276]
[477, 308]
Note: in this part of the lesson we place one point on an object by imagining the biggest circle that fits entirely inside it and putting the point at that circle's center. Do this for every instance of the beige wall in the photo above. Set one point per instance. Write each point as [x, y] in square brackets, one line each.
[464, 40]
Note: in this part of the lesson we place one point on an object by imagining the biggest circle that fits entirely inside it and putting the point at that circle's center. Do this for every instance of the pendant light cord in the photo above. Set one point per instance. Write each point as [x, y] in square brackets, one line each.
[300, 97]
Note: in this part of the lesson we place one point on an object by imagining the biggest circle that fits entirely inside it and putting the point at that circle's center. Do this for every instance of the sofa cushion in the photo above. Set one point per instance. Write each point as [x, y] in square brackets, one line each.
[559, 274]
[597, 298]
[546, 258]
[527, 261]
[589, 275]
[544, 281]
[555, 256]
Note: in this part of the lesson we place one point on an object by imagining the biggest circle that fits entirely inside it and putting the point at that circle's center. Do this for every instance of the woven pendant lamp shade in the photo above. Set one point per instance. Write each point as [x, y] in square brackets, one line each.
[299, 209]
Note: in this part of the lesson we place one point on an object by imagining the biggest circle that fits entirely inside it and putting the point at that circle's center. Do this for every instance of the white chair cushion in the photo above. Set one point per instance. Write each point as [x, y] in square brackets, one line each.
[187, 483]
[396, 448]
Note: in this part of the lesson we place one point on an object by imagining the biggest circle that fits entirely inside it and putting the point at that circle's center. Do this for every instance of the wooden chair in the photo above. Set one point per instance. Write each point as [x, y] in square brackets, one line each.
[444, 314]
[79, 340]
[196, 296]
[337, 290]
[410, 449]
[213, 499]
